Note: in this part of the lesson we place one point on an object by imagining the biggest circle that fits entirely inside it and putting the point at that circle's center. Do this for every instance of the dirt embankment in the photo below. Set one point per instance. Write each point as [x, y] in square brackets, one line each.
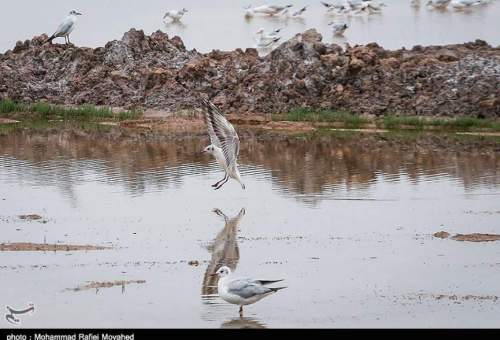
[157, 72]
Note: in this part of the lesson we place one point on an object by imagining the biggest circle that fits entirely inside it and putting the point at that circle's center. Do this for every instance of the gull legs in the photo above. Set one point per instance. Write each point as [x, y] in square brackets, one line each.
[221, 182]
[241, 311]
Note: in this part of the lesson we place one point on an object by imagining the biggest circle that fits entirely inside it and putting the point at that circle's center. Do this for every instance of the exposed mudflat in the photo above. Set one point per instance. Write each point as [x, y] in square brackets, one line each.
[99, 285]
[27, 246]
[475, 237]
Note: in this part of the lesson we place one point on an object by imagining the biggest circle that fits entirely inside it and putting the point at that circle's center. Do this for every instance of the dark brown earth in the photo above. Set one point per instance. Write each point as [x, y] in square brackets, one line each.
[30, 217]
[24, 246]
[475, 237]
[157, 73]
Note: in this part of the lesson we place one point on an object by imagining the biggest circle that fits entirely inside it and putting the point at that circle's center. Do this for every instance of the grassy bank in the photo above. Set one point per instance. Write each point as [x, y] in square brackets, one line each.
[389, 122]
[45, 111]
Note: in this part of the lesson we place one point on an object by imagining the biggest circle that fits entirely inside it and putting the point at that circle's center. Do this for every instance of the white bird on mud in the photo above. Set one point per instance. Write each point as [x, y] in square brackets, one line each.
[461, 4]
[374, 7]
[66, 27]
[242, 292]
[338, 29]
[264, 39]
[270, 10]
[175, 15]
[225, 144]
[299, 12]
[438, 4]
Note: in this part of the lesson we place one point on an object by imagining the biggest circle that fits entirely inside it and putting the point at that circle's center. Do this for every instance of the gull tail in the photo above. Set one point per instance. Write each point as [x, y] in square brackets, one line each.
[268, 282]
[52, 37]
[274, 290]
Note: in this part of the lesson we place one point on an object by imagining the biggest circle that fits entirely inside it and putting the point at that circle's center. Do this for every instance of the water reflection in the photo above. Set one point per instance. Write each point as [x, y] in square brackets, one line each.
[308, 169]
[224, 251]
[243, 322]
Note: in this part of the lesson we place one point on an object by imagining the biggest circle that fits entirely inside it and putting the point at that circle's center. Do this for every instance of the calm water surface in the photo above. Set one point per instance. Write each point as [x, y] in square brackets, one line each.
[220, 24]
[346, 221]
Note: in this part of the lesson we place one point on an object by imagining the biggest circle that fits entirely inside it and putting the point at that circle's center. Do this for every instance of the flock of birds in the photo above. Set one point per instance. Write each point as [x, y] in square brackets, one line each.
[263, 39]
[224, 141]
[456, 4]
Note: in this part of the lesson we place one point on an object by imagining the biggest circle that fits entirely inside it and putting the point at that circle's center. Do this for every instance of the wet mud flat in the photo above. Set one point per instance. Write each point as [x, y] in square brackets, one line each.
[348, 220]
[26, 246]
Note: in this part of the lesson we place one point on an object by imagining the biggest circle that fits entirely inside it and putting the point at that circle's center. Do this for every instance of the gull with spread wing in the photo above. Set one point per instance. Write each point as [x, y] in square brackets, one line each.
[225, 144]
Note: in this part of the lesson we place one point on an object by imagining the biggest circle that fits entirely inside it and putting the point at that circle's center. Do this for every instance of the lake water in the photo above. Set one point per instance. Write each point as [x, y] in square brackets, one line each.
[346, 221]
[220, 24]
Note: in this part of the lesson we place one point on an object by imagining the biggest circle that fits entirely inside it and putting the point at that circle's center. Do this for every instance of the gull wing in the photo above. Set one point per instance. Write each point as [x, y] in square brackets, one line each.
[246, 288]
[222, 133]
[64, 26]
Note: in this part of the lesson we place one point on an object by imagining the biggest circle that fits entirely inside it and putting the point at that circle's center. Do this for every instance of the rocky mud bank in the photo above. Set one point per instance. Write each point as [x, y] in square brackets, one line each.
[159, 74]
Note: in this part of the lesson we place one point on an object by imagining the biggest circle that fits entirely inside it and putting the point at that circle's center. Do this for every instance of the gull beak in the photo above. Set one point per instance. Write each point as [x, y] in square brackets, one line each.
[77, 13]
[213, 274]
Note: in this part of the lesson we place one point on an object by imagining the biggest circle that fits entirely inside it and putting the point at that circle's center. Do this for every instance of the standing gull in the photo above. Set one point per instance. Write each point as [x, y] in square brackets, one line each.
[242, 292]
[225, 144]
[338, 29]
[175, 15]
[66, 27]
[264, 39]
[265, 9]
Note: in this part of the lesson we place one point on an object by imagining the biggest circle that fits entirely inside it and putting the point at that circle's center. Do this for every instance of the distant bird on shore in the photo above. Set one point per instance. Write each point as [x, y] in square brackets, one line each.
[65, 27]
[461, 4]
[270, 10]
[264, 39]
[242, 292]
[175, 15]
[225, 144]
[299, 12]
[438, 4]
[338, 29]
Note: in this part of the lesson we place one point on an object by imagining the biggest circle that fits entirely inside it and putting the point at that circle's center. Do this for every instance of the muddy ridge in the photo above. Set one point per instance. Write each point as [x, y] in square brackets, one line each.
[159, 74]
[106, 284]
[475, 237]
[25, 246]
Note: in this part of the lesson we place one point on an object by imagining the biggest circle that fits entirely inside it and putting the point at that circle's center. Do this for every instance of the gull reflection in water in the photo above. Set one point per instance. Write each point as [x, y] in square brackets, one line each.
[224, 251]
[243, 323]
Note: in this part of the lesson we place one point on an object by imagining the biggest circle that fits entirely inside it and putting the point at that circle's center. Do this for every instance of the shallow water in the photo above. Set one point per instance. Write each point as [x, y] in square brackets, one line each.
[220, 24]
[346, 221]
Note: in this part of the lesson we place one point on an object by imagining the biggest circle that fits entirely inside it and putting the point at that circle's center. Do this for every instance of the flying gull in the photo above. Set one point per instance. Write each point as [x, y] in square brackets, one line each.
[225, 144]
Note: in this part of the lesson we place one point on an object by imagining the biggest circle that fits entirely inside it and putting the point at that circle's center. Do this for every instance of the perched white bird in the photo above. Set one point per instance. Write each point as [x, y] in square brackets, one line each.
[264, 39]
[374, 7]
[265, 9]
[242, 292]
[225, 144]
[439, 4]
[460, 4]
[333, 6]
[66, 27]
[175, 15]
[299, 12]
[338, 29]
